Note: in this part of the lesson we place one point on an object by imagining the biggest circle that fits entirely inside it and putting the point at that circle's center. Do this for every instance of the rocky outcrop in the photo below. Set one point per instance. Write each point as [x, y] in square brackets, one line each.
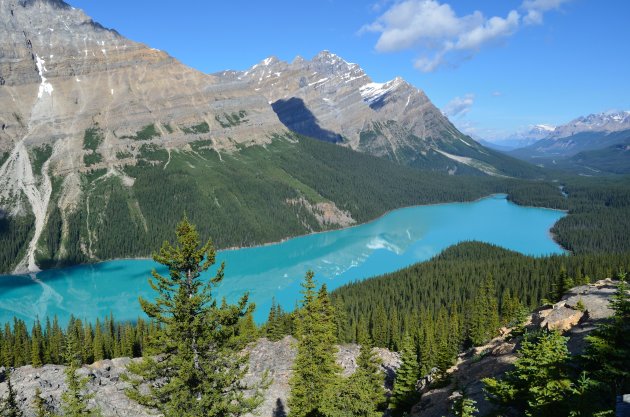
[497, 357]
[275, 358]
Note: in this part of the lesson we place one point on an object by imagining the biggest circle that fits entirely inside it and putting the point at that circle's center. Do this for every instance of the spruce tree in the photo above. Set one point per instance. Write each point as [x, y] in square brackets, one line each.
[98, 344]
[464, 407]
[315, 368]
[484, 320]
[197, 372]
[40, 406]
[608, 349]
[348, 397]
[404, 393]
[75, 399]
[370, 374]
[379, 327]
[9, 406]
[37, 347]
[540, 383]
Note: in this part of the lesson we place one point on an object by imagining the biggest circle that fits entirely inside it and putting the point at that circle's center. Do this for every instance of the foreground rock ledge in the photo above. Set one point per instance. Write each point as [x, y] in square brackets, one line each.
[105, 382]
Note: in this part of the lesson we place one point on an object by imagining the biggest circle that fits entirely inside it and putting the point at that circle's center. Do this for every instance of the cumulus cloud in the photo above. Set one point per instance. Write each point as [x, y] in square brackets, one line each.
[459, 106]
[442, 36]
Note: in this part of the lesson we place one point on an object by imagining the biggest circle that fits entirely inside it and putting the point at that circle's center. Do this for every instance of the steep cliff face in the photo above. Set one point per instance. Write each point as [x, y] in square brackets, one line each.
[334, 100]
[76, 97]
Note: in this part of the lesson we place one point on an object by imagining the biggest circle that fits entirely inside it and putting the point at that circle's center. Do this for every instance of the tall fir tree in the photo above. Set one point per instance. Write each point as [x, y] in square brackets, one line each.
[379, 327]
[198, 373]
[608, 349]
[40, 406]
[75, 399]
[540, 383]
[9, 406]
[484, 314]
[404, 393]
[37, 345]
[315, 368]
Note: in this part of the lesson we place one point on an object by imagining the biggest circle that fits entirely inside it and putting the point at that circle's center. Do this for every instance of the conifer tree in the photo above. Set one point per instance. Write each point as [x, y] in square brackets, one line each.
[370, 373]
[608, 351]
[394, 331]
[99, 344]
[9, 406]
[37, 347]
[198, 373]
[404, 392]
[41, 407]
[484, 321]
[540, 382]
[464, 407]
[379, 327]
[315, 368]
[74, 401]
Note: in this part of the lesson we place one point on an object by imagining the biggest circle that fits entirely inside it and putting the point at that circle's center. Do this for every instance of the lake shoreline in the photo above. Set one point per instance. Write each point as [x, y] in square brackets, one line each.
[234, 248]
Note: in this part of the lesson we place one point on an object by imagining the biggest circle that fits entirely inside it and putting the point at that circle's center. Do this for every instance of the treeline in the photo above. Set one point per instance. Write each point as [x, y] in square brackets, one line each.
[458, 299]
[391, 304]
[49, 343]
[598, 208]
[240, 199]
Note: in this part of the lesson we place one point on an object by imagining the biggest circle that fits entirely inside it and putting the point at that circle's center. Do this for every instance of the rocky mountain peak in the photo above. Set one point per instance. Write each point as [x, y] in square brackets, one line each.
[598, 122]
[60, 4]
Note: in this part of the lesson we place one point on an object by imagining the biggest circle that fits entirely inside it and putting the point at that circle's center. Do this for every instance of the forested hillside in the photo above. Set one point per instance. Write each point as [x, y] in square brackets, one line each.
[256, 195]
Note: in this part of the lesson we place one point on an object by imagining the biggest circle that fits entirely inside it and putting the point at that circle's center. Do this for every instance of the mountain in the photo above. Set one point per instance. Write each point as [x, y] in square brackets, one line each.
[520, 139]
[334, 100]
[599, 122]
[586, 133]
[95, 127]
[613, 159]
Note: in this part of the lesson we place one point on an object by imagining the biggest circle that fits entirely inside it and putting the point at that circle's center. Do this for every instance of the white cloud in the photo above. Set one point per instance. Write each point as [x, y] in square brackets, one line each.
[497, 94]
[536, 8]
[441, 36]
[459, 106]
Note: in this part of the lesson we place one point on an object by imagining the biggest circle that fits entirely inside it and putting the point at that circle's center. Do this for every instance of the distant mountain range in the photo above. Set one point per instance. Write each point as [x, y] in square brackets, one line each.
[521, 139]
[570, 146]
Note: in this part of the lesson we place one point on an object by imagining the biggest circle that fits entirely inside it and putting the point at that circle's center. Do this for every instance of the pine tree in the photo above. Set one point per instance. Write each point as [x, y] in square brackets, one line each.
[315, 368]
[608, 349]
[379, 327]
[74, 401]
[56, 342]
[98, 344]
[41, 407]
[198, 373]
[404, 392]
[484, 320]
[9, 406]
[370, 374]
[37, 353]
[464, 407]
[394, 331]
[348, 397]
[540, 382]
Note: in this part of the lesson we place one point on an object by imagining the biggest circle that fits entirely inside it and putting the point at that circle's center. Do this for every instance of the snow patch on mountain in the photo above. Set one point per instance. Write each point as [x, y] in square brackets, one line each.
[373, 92]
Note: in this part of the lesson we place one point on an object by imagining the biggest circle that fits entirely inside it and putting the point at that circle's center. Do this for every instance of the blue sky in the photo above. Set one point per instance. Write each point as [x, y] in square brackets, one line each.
[495, 66]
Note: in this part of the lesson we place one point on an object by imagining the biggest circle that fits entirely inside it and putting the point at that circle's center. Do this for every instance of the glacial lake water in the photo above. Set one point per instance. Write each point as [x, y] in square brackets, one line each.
[398, 239]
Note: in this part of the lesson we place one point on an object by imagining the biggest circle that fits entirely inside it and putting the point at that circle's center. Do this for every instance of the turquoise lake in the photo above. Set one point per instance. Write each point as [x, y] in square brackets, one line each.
[396, 240]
